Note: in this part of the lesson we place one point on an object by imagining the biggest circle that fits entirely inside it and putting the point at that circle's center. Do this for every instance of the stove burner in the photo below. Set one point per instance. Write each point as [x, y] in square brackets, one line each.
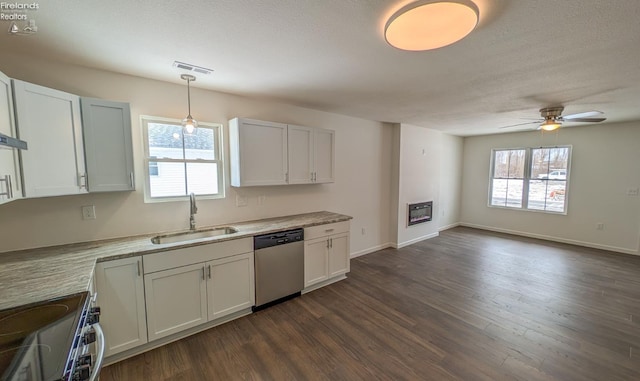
[39, 338]
[19, 324]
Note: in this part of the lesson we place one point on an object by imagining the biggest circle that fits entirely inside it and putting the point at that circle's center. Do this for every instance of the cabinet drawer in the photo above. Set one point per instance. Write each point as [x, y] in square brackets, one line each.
[325, 230]
[196, 254]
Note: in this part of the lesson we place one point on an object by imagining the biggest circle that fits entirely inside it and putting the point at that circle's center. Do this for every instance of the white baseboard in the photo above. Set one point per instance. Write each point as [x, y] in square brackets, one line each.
[553, 239]
[371, 249]
[415, 240]
[447, 227]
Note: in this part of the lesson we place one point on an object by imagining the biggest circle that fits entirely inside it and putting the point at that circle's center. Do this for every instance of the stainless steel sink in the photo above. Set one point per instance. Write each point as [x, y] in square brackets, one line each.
[193, 235]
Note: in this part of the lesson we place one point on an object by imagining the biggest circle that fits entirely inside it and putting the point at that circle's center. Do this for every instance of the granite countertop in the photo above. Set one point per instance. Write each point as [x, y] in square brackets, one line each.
[28, 276]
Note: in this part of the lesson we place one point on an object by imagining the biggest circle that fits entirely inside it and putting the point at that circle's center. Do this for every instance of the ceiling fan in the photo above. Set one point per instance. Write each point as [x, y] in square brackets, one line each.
[552, 118]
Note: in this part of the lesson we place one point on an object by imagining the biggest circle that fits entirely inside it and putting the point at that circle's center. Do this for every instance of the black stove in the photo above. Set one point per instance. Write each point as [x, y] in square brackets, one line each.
[48, 341]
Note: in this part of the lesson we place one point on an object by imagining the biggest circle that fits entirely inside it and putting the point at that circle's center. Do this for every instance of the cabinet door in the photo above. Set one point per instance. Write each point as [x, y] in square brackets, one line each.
[258, 152]
[49, 121]
[176, 299]
[316, 261]
[120, 290]
[300, 150]
[230, 287]
[10, 187]
[339, 262]
[107, 145]
[324, 156]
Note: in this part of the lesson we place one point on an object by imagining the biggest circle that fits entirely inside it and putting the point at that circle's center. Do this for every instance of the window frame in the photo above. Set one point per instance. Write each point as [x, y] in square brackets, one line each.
[527, 179]
[218, 133]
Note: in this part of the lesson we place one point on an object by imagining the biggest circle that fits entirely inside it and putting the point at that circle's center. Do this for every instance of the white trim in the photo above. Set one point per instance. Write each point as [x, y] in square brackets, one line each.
[371, 250]
[447, 227]
[415, 240]
[554, 239]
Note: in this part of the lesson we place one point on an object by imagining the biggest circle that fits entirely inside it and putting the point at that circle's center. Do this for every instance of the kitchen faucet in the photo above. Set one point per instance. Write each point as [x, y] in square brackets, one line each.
[193, 210]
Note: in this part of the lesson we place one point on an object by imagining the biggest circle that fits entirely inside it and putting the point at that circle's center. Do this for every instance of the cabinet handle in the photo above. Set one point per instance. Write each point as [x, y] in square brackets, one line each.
[82, 181]
[131, 179]
[328, 230]
[139, 269]
[286, 177]
[327, 243]
[9, 186]
[209, 272]
[331, 243]
[203, 277]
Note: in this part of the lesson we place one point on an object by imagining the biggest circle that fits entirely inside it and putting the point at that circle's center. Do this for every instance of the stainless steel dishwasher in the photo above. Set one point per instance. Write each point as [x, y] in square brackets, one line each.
[279, 266]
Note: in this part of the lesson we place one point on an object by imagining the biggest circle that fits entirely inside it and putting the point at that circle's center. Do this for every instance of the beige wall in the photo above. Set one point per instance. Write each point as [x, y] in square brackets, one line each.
[363, 167]
[427, 167]
[605, 164]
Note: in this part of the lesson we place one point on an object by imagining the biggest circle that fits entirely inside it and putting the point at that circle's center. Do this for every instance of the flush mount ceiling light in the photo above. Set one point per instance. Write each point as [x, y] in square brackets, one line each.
[429, 24]
[189, 124]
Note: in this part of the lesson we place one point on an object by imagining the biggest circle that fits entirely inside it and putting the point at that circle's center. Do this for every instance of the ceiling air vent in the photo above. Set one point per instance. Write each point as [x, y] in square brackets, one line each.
[190, 67]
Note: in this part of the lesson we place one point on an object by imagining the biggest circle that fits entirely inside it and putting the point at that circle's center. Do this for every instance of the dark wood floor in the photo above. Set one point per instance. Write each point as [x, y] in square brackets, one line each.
[468, 305]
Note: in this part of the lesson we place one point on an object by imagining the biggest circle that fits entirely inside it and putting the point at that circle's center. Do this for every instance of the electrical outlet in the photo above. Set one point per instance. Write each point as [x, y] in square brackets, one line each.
[599, 226]
[241, 201]
[364, 231]
[89, 212]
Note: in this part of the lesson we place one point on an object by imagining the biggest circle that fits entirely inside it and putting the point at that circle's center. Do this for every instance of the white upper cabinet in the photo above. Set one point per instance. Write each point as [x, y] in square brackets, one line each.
[107, 145]
[267, 153]
[49, 121]
[323, 156]
[311, 155]
[300, 152]
[258, 152]
[10, 182]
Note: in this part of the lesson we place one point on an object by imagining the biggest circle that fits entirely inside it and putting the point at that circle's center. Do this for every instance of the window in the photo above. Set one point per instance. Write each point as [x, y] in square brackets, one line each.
[178, 164]
[530, 178]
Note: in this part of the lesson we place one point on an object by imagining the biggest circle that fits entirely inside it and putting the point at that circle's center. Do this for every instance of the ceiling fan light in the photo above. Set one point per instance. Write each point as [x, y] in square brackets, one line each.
[429, 24]
[550, 125]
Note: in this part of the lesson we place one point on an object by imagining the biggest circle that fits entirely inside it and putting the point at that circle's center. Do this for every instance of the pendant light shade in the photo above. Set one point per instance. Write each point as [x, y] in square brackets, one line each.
[431, 24]
[189, 124]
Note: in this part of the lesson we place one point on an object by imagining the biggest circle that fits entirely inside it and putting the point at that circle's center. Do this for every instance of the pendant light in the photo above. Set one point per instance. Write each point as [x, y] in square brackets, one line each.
[189, 124]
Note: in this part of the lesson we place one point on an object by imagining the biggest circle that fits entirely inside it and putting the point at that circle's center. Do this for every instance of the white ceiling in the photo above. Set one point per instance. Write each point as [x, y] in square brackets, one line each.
[331, 55]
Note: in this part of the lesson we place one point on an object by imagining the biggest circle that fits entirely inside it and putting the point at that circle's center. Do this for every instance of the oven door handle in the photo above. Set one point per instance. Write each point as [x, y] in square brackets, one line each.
[100, 344]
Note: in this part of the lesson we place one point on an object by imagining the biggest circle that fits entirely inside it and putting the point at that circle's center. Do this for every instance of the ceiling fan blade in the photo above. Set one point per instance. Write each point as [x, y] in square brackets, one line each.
[521, 124]
[590, 120]
[582, 115]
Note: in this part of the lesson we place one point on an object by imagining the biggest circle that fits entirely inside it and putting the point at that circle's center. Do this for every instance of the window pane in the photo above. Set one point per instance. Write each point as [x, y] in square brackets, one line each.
[165, 141]
[514, 193]
[499, 192]
[550, 163]
[202, 178]
[169, 181]
[507, 193]
[547, 195]
[509, 164]
[200, 145]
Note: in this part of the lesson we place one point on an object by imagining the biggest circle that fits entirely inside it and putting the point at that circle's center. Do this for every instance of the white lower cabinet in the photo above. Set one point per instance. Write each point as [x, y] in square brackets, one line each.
[326, 253]
[176, 300]
[191, 286]
[120, 289]
[230, 287]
